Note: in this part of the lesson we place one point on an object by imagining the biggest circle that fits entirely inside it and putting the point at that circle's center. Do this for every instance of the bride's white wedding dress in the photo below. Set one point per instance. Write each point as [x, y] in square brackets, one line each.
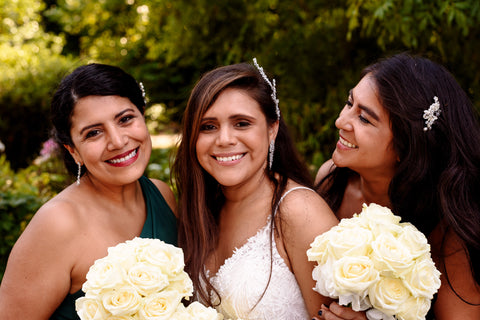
[242, 279]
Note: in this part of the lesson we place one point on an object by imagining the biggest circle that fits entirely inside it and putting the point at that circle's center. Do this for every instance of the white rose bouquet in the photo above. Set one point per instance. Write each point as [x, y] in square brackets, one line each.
[141, 279]
[375, 263]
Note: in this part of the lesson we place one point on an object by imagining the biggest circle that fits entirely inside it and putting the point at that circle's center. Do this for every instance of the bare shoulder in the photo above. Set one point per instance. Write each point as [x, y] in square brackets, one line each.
[303, 216]
[41, 261]
[167, 193]
[305, 208]
[324, 170]
[459, 294]
[56, 220]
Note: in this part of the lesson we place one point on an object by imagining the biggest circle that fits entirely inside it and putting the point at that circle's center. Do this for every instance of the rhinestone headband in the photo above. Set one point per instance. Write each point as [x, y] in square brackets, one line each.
[431, 114]
[272, 85]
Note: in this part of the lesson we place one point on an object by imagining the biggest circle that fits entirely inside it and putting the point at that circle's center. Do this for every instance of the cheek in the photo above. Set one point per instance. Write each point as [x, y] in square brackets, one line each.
[201, 149]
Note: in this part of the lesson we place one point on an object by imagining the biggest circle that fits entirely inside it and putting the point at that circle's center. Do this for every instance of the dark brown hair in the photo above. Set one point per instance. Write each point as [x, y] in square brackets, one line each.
[89, 80]
[438, 175]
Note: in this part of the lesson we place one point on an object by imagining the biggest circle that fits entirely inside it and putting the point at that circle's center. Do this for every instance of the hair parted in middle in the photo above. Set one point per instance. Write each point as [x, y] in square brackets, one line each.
[200, 196]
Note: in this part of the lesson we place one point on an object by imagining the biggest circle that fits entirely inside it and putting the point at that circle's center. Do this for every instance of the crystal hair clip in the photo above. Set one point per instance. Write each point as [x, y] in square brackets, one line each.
[431, 114]
[272, 85]
[142, 88]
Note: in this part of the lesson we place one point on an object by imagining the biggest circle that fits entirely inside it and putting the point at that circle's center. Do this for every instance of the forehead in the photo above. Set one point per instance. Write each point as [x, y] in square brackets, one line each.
[234, 101]
[365, 94]
[95, 108]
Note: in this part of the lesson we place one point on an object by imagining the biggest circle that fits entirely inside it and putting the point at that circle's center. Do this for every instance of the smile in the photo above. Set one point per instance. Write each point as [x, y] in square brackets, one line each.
[346, 143]
[123, 159]
[230, 158]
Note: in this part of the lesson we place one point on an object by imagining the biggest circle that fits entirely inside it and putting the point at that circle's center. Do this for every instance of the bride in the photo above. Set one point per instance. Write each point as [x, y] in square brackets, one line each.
[247, 214]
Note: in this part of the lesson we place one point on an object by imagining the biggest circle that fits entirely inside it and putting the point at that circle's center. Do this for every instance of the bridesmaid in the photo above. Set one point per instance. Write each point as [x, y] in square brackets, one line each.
[97, 114]
[408, 139]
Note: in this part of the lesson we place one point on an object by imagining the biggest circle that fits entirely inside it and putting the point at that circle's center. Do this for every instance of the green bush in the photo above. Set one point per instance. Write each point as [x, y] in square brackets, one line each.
[159, 166]
[22, 193]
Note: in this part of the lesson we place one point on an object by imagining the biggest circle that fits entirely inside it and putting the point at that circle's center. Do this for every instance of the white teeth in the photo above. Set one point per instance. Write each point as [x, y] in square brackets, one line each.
[346, 143]
[231, 158]
[129, 156]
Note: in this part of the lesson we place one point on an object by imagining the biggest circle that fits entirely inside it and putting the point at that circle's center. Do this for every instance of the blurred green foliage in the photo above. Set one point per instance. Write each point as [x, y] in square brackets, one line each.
[315, 49]
[31, 65]
[22, 192]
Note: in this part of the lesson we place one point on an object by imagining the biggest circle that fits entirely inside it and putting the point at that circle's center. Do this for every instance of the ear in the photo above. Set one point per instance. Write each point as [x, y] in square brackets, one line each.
[73, 152]
[273, 130]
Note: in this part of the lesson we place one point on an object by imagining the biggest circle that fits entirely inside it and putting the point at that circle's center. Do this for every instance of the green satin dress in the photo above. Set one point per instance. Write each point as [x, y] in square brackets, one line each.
[160, 224]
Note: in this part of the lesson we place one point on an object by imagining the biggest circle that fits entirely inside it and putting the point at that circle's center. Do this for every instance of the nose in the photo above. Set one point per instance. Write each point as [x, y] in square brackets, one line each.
[344, 120]
[117, 139]
[226, 136]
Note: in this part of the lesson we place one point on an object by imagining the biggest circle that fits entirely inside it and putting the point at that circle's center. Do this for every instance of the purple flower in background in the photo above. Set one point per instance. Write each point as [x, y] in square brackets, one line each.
[49, 148]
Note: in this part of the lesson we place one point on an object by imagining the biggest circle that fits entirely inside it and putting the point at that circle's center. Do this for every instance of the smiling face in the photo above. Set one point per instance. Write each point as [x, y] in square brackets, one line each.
[365, 136]
[232, 144]
[110, 138]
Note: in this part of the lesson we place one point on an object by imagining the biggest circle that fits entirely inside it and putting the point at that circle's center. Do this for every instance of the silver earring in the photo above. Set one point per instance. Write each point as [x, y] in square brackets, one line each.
[79, 172]
[271, 150]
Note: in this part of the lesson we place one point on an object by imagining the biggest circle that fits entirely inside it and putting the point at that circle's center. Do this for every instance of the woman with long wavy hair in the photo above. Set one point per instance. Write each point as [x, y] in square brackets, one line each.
[247, 211]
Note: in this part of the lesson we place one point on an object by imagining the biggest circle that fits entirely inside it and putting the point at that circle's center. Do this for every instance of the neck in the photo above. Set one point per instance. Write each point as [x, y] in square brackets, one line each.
[260, 188]
[376, 190]
[121, 195]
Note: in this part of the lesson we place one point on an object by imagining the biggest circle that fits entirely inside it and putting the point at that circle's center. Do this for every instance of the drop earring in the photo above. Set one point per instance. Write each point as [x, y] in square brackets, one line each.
[79, 172]
[271, 150]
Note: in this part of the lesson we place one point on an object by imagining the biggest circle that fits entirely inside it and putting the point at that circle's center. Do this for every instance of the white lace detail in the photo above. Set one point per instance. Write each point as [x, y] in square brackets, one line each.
[243, 277]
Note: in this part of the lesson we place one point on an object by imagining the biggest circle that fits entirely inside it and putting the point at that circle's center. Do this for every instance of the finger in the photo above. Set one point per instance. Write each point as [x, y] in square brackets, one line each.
[346, 312]
[325, 314]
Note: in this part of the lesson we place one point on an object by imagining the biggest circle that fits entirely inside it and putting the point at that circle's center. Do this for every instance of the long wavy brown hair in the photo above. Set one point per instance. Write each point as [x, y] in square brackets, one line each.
[200, 196]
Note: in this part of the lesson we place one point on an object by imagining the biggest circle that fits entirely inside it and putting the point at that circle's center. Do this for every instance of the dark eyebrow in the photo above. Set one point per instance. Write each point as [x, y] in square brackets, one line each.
[118, 115]
[369, 111]
[232, 117]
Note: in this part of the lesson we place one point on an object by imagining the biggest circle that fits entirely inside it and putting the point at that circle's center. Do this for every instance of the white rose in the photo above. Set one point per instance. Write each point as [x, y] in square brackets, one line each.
[183, 284]
[103, 274]
[391, 254]
[387, 295]
[379, 214]
[354, 275]
[350, 241]
[318, 249]
[414, 240]
[181, 314]
[147, 279]
[323, 276]
[356, 302]
[380, 219]
[200, 312]
[159, 306]
[121, 301]
[414, 309]
[123, 254]
[121, 318]
[166, 256]
[90, 309]
[424, 278]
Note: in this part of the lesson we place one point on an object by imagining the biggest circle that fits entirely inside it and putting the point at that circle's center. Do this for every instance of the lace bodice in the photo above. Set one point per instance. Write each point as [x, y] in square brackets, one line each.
[243, 277]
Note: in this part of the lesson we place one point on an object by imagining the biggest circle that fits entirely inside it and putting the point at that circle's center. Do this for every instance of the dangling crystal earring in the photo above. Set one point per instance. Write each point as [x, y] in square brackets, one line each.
[79, 172]
[271, 150]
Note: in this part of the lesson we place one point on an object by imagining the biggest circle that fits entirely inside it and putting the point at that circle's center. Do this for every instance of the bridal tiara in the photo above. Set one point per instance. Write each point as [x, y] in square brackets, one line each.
[272, 85]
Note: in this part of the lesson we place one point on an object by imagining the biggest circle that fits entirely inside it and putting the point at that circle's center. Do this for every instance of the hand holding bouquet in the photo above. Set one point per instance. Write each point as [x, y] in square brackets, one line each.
[375, 263]
[141, 279]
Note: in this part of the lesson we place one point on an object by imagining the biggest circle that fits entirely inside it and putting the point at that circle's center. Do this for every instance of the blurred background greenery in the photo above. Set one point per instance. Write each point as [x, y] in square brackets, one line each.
[314, 48]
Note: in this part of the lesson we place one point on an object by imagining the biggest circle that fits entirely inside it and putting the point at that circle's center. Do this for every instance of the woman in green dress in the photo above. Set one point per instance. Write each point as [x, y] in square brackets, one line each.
[97, 114]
